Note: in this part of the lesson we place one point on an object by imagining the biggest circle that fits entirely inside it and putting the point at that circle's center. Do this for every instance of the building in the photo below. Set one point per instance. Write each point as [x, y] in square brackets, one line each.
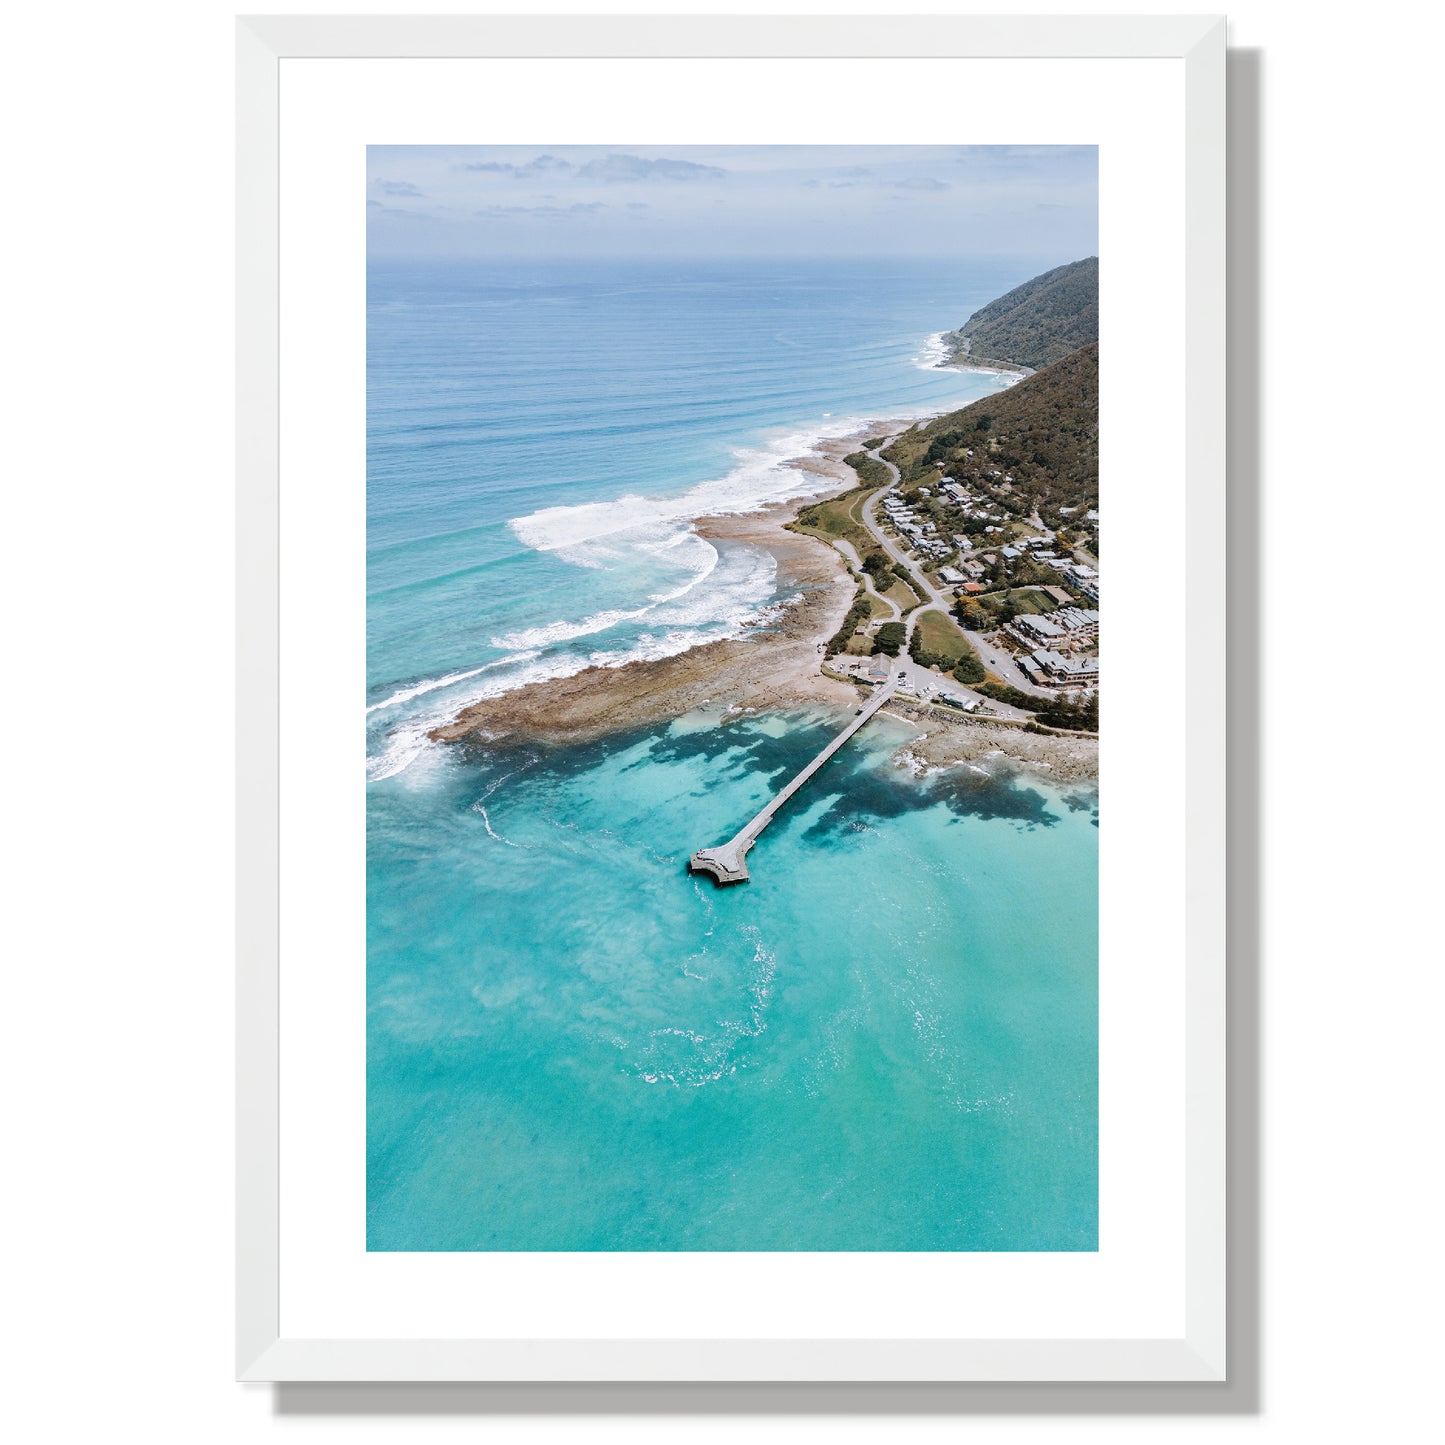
[1052, 669]
[951, 575]
[1064, 599]
[1077, 621]
[1037, 631]
[972, 588]
[963, 704]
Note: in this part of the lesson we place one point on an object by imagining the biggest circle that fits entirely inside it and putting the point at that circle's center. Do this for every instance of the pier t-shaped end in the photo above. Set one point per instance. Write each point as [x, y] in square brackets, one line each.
[723, 864]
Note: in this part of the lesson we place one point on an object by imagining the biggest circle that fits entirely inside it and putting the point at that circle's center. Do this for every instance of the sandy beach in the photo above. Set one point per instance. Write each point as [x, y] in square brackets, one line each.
[772, 670]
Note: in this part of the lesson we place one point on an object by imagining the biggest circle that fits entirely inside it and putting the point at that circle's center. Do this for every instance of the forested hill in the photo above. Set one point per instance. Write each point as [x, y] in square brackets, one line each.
[1035, 324]
[1034, 445]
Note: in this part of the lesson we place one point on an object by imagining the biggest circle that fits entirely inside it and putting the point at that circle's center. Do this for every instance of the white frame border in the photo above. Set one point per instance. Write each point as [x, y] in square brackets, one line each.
[261, 1354]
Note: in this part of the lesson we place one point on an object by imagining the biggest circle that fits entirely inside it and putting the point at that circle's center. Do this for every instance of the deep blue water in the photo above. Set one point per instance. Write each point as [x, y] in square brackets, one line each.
[888, 1039]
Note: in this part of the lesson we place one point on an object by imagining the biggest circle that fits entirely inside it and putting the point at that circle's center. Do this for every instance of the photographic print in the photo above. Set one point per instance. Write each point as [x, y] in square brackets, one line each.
[732, 713]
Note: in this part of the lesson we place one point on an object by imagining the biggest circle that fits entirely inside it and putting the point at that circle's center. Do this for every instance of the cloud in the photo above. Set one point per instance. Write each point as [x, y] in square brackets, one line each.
[551, 213]
[616, 168]
[862, 178]
[395, 213]
[620, 168]
[919, 183]
[393, 188]
[538, 166]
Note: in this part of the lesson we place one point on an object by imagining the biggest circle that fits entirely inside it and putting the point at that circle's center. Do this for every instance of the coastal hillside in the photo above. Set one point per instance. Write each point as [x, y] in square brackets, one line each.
[1035, 324]
[1032, 447]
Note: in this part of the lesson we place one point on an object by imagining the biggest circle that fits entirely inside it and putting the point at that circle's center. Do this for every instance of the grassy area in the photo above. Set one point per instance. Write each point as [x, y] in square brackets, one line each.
[860, 645]
[1023, 599]
[901, 594]
[839, 517]
[938, 635]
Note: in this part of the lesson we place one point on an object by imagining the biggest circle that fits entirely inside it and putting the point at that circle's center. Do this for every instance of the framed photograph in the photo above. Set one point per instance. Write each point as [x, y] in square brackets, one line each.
[700, 918]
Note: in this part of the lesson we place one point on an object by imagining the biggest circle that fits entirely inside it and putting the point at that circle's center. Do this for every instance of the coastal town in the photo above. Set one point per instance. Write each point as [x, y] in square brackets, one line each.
[997, 611]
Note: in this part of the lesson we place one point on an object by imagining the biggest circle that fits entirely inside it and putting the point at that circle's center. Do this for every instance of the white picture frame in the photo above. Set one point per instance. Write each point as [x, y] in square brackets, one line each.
[1199, 1352]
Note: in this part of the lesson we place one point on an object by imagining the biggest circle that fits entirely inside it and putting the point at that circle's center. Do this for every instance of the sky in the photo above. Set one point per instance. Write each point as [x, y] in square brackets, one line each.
[499, 202]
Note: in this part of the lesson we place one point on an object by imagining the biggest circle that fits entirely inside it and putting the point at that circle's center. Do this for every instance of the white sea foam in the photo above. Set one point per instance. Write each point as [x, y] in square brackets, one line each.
[487, 824]
[407, 741]
[431, 684]
[599, 533]
[720, 599]
[934, 353]
[697, 554]
[555, 632]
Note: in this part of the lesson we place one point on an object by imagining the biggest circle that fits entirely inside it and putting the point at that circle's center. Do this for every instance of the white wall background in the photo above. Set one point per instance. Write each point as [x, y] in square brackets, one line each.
[117, 577]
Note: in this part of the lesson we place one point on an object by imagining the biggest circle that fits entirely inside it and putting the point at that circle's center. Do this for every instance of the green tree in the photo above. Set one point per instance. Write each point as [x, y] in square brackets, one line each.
[969, 668]
[970, 614]
[890, 638]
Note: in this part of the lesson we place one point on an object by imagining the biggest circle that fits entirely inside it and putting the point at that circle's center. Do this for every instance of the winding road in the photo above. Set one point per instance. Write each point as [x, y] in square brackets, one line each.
[856, 563]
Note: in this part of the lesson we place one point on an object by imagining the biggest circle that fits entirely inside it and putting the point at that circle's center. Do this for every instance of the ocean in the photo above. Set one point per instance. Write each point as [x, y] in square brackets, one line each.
[888, 1039]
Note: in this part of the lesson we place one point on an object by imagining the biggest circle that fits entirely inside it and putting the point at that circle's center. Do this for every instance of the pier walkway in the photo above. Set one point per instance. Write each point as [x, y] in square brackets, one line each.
[727, 862]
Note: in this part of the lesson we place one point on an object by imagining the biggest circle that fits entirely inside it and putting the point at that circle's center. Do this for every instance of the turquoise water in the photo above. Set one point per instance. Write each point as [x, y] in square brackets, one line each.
[888, 1039]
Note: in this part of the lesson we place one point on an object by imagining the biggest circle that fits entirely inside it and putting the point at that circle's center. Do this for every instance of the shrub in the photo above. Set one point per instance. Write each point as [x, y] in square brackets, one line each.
[1013, 696]
[871, 472]
[856, 613]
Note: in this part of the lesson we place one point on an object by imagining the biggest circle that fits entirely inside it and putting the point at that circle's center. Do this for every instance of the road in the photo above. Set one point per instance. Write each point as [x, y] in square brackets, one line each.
[850, 552]
[994, 658]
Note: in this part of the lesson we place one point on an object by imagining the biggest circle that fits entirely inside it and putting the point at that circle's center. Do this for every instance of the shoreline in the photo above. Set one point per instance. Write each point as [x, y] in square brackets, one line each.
[773, 669]
[947, 359]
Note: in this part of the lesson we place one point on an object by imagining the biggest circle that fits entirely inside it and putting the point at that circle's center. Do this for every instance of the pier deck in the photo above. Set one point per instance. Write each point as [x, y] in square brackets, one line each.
[727, 862]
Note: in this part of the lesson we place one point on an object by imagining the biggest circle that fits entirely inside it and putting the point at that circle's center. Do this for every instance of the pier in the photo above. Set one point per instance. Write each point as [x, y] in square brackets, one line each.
[727, 863]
